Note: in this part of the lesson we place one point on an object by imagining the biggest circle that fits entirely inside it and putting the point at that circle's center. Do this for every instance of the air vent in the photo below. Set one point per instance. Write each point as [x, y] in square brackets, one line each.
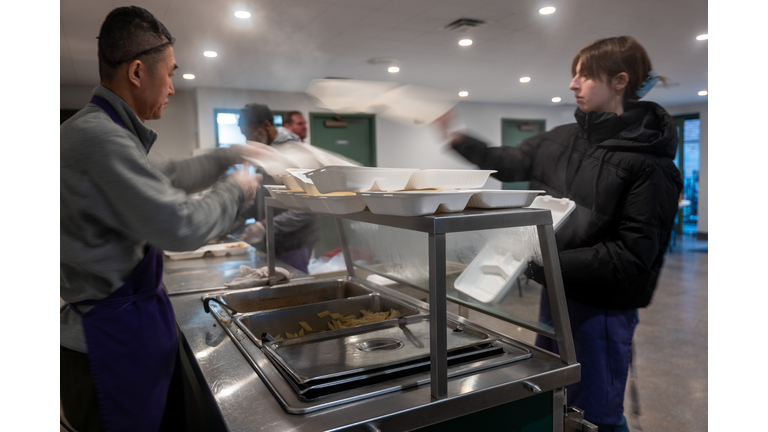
[463, 24]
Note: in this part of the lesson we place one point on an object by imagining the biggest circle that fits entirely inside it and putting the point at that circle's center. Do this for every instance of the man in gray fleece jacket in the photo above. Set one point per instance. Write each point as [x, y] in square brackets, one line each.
[117, 213]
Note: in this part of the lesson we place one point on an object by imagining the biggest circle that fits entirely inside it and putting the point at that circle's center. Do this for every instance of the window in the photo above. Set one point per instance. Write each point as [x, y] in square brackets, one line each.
[688, 132]
[228, 129]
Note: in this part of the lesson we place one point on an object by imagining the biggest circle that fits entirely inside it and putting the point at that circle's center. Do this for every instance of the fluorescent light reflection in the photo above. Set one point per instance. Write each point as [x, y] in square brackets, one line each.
[210, 54]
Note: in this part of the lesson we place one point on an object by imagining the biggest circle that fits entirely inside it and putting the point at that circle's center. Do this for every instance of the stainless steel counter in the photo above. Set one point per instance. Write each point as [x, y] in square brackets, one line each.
[212, 272]
[245, 403]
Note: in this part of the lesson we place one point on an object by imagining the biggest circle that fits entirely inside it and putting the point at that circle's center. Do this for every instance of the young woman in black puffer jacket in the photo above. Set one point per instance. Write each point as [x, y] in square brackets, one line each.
[616, 163]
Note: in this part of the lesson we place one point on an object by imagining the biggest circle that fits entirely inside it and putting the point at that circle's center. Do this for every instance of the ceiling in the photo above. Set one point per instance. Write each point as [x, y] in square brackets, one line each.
[287, 43]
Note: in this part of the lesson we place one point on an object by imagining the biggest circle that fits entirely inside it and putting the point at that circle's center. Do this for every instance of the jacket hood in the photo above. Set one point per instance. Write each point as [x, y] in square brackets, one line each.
[644, 127]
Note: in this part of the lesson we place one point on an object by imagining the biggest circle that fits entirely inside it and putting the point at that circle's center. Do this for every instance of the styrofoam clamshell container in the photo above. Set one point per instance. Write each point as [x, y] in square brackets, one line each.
[303, 181]
[219, 250]
[448, 179]
[272, 188]
[288, 198]
[415, 203]
[502, 198]
[300, 201]
[491, 274]
[185, 255]
[561, 208]
[335, 204]
[224, 249]
[290, 182]
[358, 179]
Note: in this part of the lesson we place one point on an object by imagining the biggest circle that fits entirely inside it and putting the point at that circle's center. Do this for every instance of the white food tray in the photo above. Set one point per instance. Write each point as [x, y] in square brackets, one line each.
[303, 181]
[415, 203]
[448, 179]
[354, 179]
[491, 274]
[290, 182]
[561, 208]
[219, 250]
[502, 198]
[295, 200]
[272, 188]
[335, 204]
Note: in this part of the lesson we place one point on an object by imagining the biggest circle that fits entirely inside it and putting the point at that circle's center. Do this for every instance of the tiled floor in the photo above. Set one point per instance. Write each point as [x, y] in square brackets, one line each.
[670, 345]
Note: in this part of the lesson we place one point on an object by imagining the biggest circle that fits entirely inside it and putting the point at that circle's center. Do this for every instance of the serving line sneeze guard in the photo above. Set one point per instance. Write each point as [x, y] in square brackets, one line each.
[437, 226]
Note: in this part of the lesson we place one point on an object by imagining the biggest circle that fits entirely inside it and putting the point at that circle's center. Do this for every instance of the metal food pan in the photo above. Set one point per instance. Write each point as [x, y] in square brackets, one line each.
[287, 320]
[292, 295]
[338, 355]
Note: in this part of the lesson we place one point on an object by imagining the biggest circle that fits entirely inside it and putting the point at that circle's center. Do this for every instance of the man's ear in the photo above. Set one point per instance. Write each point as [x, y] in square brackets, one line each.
[136, 71]
[620, 81]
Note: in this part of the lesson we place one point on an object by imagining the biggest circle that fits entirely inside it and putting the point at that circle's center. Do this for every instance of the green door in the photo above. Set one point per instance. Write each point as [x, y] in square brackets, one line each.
[352, 136]
[513, 133]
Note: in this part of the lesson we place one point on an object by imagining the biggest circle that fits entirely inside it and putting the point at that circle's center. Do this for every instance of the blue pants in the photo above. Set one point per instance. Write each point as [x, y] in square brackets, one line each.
[602, 339]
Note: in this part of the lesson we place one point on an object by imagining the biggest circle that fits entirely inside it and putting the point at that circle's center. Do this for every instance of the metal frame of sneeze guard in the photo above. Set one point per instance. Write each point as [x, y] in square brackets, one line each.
[437, 226]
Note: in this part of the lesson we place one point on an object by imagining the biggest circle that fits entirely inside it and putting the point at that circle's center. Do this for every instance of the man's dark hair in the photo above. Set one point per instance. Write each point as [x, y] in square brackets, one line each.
[130, 33]
[288, 119]
[255, 114]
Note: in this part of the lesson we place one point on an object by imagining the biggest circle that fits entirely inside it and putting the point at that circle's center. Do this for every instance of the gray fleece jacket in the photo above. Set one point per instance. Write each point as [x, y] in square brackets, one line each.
[114, 203]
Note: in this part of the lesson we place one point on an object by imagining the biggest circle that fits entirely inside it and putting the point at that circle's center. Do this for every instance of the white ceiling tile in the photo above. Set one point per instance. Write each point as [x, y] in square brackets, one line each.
[409, 7]
[385, 19]
[401, 35]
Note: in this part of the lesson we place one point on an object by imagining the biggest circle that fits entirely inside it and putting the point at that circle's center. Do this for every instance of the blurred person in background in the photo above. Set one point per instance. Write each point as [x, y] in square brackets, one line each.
[294, 127]
[119, 365]
[295, 231]
[616, 163]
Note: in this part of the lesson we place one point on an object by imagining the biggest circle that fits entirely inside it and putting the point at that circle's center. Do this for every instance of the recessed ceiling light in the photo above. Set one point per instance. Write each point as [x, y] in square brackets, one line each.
[547, 10]
[556, 99]
[188, 76]
[242, 14]
[703, 93]
[463, 93]
[704, 36]
[210, 54]
[525, 79]
[465, 42]
[393, 69]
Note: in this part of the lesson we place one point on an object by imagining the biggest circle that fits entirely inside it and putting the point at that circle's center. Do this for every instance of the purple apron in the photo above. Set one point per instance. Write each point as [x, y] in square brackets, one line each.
[298, 259]
[132, 343]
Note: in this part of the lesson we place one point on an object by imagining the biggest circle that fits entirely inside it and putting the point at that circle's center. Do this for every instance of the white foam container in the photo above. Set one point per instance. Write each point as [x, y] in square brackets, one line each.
[224, 249]
[272, 188]
[303, 181]
[490, 275]
[284, 196]
[219, 250]
[335, 204]
[448, 179]
[290, 181]
[415, 203]
[300, 201]
[354, 179]
[490, 199]
[561, 208]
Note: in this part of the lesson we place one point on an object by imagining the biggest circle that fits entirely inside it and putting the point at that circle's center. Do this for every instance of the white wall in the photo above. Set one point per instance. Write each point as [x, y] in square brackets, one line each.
[702, 110]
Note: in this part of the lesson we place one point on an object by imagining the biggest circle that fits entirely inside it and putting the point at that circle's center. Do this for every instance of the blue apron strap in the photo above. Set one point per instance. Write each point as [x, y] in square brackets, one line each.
[101, 103]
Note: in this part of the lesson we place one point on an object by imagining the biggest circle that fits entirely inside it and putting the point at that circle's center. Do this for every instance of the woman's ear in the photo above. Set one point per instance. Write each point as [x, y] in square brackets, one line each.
[620, 81]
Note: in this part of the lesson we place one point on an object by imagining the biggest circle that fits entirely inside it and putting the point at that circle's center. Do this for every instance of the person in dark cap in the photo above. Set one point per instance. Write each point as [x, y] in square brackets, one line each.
[258, 123]
[119, 361]
[295, 231]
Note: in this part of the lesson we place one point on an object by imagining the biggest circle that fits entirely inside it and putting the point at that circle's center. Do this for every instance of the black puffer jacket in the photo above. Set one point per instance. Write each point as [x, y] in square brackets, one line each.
[619, 170]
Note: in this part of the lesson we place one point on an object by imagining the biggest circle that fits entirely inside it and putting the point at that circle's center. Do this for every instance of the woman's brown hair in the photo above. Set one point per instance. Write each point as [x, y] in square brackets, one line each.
[606, 58]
